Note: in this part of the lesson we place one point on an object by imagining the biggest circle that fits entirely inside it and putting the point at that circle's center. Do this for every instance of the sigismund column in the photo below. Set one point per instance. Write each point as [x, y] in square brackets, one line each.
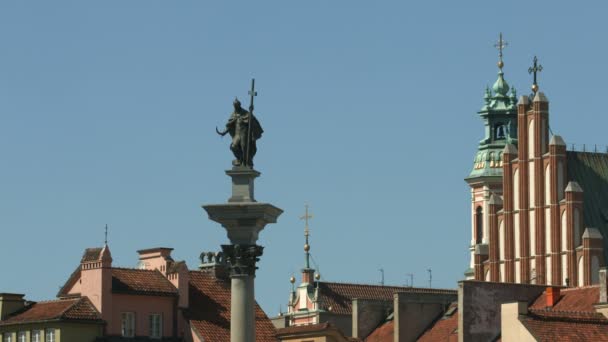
[243, 218]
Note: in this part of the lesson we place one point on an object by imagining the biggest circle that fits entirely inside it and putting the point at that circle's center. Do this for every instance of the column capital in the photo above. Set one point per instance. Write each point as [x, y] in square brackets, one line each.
[242, 258]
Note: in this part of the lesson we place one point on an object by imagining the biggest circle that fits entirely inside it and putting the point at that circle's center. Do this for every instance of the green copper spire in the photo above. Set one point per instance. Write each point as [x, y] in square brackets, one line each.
[499, 114]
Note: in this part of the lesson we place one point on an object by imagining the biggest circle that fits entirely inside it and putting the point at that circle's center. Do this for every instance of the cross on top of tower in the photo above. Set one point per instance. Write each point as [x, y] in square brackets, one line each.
[534, 69]
[106, 236]
[500, 45]
[306, 217]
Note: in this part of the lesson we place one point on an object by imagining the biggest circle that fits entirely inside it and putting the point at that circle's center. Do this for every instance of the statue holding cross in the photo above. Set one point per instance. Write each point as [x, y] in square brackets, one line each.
[245, 130]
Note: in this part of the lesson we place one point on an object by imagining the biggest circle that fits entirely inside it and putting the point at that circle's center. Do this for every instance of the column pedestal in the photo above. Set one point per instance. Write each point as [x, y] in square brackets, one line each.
[243, 218]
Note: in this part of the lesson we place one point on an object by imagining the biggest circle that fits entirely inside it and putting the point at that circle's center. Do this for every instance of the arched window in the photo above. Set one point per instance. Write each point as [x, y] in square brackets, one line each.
[478, 225]
[499, 131]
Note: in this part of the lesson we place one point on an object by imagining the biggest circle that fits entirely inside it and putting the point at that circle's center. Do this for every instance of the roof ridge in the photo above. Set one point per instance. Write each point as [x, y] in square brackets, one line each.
[133, 269]
[580, 288]
[549, 310]
[569, 316]
[388, 286]
[64, 299]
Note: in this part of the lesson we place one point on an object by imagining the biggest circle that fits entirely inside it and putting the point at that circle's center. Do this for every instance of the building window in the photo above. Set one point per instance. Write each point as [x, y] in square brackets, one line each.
[128, 324]
[36, 336]
[21, 336]
[50, 335]
[8, 337]
[479, 225]
[156, 326]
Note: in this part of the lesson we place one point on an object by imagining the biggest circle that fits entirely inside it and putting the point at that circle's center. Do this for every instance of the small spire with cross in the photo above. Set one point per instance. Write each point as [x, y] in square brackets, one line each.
[106, 236]
[534, 69]
[500, 45]
[307, 216]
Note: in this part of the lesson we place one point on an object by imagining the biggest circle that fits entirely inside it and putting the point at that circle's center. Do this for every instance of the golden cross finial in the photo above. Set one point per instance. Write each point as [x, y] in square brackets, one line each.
[500, 45]
[306, 217]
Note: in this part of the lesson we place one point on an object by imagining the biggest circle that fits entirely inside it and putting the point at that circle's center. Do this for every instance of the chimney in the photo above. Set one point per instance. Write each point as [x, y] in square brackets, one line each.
[96, 279]
[155, 258]
[552, 294]
[10, 303]
[214, 264]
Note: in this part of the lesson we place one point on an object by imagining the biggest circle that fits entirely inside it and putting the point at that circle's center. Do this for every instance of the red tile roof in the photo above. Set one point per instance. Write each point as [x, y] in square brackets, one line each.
[91, 254]
[384, 333]
[141, 282]
[73, 309]
[309, 328]
[445, 329]
[337, 297]
[315, 330]
[549, 325]
[209, 312]
[572, 299]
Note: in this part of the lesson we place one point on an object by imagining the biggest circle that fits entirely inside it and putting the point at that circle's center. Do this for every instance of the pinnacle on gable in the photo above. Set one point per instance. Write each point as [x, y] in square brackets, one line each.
[592, 233]
[523, 100]
[557, 140]
[573, 187]
[540, 97]
[509, 149]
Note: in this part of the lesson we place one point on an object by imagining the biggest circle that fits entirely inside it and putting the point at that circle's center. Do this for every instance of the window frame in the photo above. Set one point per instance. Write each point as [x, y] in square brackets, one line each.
[39, 335]
[52, 333]
[20, 334]
[124, 330]
[152, 329]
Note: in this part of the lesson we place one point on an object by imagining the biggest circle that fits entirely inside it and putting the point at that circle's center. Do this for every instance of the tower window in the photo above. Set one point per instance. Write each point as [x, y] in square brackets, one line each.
[479, 225]
[500, 131]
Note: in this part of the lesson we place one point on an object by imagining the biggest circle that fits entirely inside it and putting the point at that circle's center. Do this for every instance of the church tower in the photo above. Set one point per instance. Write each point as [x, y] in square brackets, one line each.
[499, 115]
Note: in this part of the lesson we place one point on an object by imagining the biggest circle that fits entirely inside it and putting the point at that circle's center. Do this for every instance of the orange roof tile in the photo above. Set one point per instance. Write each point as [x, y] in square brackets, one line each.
[384, 333]
[209, 312]
[445, 329]
[566, 326]
[572, 299]
[78, 309]
[315, 330]
[141, 282]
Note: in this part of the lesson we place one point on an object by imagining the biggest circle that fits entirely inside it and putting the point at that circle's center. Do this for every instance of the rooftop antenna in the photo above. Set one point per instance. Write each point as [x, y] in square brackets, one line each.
[430, 278]
[411, 276]
[382, 275]
[106, 236]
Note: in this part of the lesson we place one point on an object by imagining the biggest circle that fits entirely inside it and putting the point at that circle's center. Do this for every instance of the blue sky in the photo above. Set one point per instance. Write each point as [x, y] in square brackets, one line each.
[108, 111]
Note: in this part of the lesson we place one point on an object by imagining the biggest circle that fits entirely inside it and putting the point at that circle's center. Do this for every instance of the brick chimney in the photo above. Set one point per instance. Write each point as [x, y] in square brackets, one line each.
[10, 303]
[552, 295]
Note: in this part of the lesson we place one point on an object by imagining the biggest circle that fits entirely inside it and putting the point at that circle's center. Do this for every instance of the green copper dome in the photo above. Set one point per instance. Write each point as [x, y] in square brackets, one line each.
[501, 87]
